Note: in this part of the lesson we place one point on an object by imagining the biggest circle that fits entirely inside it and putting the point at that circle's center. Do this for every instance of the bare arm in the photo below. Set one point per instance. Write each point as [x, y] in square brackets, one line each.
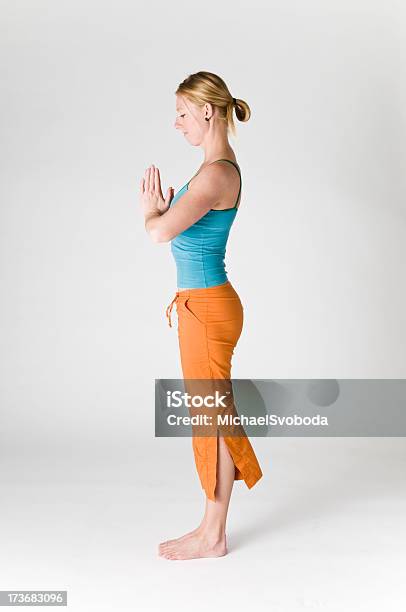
[203, 193]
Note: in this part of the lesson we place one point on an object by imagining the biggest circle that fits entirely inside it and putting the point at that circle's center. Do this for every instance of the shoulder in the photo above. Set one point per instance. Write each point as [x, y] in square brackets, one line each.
[214, 176]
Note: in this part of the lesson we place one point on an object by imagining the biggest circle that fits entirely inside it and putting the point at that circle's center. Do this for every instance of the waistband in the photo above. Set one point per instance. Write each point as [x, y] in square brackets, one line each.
[186, 294]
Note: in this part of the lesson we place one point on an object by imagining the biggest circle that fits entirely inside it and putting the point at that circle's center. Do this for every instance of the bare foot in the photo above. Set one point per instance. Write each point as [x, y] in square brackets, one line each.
[194, 547]
[186, 535]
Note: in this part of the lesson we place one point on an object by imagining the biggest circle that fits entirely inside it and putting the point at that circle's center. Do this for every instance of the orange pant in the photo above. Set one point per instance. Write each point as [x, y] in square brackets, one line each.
[210, 322]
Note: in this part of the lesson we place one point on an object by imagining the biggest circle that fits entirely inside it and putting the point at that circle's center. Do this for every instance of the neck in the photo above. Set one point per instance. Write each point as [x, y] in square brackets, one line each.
[216, 145]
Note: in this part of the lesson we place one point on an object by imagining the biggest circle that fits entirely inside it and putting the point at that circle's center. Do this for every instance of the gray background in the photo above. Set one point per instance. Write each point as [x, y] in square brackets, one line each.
[317, 255]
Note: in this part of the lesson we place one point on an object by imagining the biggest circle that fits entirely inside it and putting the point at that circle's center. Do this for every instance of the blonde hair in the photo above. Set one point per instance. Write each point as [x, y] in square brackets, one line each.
[202, 87]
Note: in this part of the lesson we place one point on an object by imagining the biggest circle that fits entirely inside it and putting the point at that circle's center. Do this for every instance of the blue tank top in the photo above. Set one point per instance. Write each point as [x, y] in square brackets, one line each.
[199, 251]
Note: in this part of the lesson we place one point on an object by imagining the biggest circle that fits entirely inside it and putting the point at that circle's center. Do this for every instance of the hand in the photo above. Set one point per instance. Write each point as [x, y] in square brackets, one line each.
[150, 193]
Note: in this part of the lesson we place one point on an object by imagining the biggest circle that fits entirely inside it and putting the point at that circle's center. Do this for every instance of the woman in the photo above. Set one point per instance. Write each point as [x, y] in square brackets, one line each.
[210, 313]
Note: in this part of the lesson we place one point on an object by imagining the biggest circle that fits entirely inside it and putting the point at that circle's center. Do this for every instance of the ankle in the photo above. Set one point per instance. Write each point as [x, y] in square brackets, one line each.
[213, 534]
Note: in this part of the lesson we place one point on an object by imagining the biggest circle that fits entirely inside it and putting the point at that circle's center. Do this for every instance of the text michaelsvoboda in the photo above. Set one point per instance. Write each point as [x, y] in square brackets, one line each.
[229, 419]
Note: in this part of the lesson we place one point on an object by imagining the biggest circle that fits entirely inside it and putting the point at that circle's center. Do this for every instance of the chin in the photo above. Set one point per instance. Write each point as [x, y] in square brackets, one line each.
[193, 141]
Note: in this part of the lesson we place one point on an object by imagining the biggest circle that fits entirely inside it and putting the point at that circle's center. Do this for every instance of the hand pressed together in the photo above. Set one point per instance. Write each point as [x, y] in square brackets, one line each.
[150, 193]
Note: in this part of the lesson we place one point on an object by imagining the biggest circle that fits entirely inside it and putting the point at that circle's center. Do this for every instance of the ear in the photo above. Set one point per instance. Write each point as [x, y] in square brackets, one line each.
[208, 110]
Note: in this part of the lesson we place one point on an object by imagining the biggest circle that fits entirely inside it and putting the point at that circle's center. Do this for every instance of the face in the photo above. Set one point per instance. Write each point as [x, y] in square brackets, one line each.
[190, 120]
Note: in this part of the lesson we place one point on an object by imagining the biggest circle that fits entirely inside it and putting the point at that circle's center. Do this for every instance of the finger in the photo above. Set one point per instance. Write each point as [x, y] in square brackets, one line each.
[157, 181]
[142, 186]
[169, 196]
[147, 179]
[151, 178]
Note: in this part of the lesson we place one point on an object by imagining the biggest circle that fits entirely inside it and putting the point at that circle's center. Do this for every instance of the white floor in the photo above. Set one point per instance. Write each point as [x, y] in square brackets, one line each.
[323, 530]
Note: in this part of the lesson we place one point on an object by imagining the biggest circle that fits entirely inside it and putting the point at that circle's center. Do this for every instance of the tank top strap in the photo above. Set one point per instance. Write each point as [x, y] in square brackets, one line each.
[239, 172]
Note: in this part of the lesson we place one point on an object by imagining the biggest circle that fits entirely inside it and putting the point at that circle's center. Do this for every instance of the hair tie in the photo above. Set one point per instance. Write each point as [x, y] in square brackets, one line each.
[234, 101]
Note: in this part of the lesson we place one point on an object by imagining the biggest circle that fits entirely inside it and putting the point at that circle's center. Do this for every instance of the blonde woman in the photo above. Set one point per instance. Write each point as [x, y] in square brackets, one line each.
[197, 221]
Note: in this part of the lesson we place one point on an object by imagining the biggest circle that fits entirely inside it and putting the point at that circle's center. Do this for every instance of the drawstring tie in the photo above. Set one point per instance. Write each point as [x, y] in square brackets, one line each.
[169, 308]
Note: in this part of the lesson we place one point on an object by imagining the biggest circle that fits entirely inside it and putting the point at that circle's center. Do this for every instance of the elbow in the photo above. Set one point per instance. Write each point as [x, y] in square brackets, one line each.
[159, 235]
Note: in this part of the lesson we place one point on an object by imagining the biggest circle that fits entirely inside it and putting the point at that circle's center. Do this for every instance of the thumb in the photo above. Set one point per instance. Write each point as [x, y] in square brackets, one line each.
[169, 194]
